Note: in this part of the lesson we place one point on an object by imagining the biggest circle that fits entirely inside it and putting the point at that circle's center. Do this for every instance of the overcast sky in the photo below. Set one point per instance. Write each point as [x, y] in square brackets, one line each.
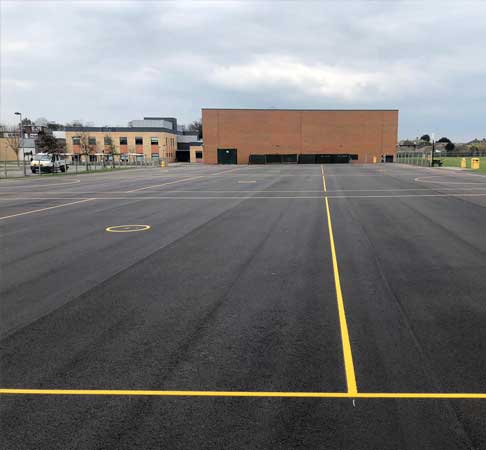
[110, 62]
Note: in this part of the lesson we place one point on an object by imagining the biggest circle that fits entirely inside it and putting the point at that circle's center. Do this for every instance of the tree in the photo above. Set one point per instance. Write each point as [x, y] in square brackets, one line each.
[444, 139]
[54, 126]
[41, 122]
[425, 138]
[110, 148]
[450, 147]
[84, 145]
[196, 125]
[47, 143]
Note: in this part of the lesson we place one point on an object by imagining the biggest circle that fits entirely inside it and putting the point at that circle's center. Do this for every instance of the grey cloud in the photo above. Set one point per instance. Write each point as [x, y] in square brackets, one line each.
[111, 62]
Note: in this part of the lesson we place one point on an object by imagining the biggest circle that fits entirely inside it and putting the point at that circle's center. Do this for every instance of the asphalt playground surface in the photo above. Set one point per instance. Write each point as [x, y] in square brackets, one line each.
[258, 307]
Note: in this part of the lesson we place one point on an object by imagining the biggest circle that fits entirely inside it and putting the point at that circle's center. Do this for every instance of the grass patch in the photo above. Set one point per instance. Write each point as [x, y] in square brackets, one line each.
[455, 161]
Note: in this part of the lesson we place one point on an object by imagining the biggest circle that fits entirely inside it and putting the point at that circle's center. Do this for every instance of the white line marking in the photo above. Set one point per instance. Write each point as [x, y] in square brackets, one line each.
[163, 184]
[424, 180]
[179, 181]
[45, 209]
[45, 184]
[481, 188]
[256, 197]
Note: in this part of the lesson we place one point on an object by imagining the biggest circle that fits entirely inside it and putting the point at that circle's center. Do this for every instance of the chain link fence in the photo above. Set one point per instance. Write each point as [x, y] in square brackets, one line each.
[75, 165]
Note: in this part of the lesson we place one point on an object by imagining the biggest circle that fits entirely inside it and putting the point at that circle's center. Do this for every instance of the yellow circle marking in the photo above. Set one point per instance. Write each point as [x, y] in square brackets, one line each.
[127, 228]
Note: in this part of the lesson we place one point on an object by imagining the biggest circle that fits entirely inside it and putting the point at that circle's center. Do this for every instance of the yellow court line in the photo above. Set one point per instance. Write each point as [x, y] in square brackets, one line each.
[123, 228]
[347, 353]
[155, 393]
[45, 209]
[323, 178]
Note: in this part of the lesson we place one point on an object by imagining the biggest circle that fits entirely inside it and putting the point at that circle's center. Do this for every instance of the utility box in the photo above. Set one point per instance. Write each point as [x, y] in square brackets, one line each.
[463, 163]
[475, 163]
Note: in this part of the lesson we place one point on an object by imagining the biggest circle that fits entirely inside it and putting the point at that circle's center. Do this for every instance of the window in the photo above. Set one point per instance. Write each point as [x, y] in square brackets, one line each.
[76, 140]
[354, 157]
[92, 158]
[123, 141]
[107, 140]
[91, 140]
[154, 141]
[198, 155]
[138, 140]
[155, 156]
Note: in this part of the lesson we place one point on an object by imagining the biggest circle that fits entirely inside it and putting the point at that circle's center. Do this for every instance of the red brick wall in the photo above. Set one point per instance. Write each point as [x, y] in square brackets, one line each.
[366, 133]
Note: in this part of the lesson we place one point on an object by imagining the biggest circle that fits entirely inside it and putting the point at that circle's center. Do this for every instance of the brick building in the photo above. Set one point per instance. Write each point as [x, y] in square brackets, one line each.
[150, 139]
[242, 136]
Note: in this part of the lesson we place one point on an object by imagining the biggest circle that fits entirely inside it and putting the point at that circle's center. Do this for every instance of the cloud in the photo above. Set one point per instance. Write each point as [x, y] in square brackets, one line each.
[111, 62]
[315, 79]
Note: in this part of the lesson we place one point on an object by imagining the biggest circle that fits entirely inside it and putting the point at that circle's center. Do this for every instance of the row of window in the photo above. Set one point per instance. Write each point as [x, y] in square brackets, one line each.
[124, 140]
[123, 157]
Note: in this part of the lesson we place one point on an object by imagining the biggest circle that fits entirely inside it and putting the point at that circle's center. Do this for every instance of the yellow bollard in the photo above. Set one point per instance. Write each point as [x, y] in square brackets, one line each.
[374, 159]
[162, 163]
[463, 163]
[475, 163]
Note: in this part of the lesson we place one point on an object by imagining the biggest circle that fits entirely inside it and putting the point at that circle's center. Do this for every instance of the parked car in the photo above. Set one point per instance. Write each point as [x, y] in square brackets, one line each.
[48, 163]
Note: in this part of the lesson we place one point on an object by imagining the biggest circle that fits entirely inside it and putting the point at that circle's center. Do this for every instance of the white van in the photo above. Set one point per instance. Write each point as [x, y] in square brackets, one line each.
[48, 163]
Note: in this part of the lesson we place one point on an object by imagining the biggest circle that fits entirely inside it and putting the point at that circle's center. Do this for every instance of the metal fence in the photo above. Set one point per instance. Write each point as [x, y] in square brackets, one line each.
[418, 158]
[14, 169]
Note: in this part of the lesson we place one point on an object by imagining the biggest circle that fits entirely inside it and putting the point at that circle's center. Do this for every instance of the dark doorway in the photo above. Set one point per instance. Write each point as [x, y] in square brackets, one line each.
[289, 158]
[307, 159]
[324, 159]
[257, 159]
[227, 156]
[389, 158]
[273, 159]
[183, 156]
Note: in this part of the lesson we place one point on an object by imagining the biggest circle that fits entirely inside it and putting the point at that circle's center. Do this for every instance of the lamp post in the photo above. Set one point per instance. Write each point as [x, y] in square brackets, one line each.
[21, 140]
[433, 151]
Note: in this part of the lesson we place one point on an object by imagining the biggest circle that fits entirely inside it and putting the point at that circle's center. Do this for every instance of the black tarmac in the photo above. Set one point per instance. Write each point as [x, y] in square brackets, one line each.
[232, 288]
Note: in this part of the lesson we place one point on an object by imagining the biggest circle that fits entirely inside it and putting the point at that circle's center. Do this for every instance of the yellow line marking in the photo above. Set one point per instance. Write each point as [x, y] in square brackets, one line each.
[127, 228]
[323, 178]
[348, 355]
[135, 392]
[45, 209]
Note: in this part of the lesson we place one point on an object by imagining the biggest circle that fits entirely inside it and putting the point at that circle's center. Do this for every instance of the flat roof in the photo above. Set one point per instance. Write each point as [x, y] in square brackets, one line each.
[294, 109]
[122, 129]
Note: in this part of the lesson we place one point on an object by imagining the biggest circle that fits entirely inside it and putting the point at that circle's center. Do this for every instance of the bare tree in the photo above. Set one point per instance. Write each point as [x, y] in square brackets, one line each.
[84, 145]
[110, 148]
[196, 125]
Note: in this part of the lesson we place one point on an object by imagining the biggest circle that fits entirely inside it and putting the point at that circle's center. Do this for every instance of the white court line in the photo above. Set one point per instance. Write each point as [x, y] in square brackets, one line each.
[481, 188]
[163, 184]
[425, 180]
[45, 184]
[180, 181]
[45, 209]
[252, 197]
